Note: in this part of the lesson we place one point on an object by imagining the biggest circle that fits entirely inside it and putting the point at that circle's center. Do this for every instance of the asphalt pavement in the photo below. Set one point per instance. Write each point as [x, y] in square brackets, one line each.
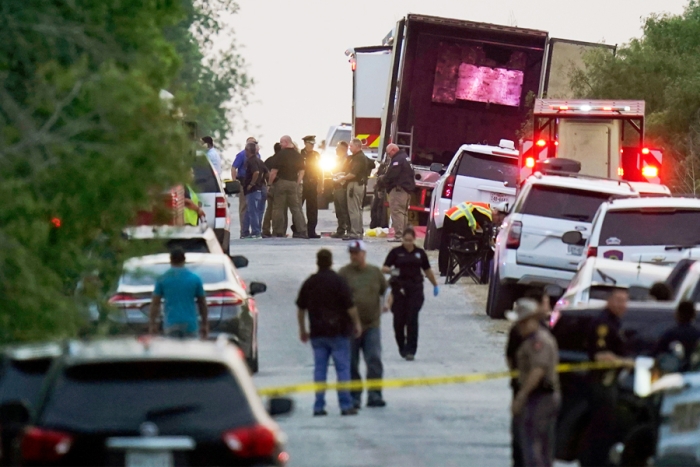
[452, 425]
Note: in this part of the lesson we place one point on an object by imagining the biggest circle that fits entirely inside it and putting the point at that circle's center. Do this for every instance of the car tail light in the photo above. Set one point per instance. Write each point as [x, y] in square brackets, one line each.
[220, 207]
[592, 252]
[44, 445]
[250, 442]
[125, 300]
[228, 297]
[449, 188]
[513, 240]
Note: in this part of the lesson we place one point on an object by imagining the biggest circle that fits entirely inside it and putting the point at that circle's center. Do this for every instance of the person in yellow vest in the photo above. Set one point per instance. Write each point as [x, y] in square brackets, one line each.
[466, 219]
[193, 208]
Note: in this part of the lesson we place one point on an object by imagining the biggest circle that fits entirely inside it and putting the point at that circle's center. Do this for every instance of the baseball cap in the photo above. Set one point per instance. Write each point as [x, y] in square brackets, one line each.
[356, 245]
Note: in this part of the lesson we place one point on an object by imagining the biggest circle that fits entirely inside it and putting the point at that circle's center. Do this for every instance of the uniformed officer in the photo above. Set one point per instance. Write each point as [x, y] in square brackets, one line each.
[340, 194]
[313, 184]
[407, 264]
[604, 343]
[537, 402]
[399, 182]
[684, 332]
[464, 219]
[287, 171]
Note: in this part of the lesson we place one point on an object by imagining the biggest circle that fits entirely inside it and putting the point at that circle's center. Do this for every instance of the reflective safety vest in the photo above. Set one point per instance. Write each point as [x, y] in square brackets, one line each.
[191, 216]
[466, 209]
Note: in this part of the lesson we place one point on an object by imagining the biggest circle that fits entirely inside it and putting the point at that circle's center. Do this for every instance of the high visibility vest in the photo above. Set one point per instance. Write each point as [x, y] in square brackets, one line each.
[191, 216]
[466, 210]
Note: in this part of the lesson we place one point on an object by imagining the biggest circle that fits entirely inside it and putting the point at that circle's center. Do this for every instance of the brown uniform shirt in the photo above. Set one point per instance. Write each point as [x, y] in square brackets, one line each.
[368, 286]
[539, 351]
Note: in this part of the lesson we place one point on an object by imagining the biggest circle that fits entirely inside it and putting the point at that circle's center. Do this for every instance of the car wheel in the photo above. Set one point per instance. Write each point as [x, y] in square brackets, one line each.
[500, 297]
[432, 235]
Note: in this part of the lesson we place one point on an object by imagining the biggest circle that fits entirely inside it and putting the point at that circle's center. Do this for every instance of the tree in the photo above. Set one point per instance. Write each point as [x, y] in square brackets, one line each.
[85, 142]
[663, 68]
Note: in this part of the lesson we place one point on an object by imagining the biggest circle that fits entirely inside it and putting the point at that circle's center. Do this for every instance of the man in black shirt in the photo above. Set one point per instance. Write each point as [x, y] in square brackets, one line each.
[313, 184]
[604, 343]
[252, 188]
[355, 178]
[340, 193]
[267, 219]
[399, 182]
[333, 320]
[684, 332]
[288, 172]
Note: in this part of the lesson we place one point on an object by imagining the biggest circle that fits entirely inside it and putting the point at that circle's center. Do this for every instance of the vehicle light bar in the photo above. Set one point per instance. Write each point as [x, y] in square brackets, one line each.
[588, 108]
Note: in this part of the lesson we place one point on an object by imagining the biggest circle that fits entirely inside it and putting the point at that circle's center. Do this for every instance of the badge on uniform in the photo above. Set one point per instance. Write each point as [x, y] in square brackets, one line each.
[417, 255]
[602, 331]
[395, 163]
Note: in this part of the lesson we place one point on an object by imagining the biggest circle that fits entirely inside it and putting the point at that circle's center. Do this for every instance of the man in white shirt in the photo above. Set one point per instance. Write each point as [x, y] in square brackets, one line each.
[212, 153]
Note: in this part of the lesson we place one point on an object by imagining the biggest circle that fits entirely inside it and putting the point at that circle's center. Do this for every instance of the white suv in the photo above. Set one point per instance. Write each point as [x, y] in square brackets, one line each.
[529, 247]
[648, 230]
[476, 173]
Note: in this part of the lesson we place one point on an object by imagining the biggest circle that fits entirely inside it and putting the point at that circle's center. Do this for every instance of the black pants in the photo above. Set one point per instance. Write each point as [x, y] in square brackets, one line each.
[408, 300]
[310, 197]
[517, 452]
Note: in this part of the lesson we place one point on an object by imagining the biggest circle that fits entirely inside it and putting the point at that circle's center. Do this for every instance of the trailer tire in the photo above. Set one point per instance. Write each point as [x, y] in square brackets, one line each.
[500, 297]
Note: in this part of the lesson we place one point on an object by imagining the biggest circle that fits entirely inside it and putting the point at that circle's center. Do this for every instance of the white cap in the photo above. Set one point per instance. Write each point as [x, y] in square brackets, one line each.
[356, 245]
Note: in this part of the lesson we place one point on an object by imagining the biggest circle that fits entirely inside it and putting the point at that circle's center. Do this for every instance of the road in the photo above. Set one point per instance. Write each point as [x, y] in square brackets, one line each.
[447, 425]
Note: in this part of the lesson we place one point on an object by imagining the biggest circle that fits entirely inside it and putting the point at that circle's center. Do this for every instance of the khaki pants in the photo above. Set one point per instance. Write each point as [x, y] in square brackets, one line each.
[356, 193]
[267, 220]
[287, 197]
[398, 206]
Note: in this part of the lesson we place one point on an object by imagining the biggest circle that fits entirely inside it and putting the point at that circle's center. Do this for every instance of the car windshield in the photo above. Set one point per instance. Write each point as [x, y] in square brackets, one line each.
[204, 397]
[651, 227]
[22, 379]
[489, 167]
[563, 203]
[637, 293]
[160, 245]
[338, 136]
[147, 274]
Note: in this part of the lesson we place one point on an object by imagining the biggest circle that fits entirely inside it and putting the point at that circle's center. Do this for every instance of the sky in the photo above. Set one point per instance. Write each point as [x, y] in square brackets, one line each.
[295, 49]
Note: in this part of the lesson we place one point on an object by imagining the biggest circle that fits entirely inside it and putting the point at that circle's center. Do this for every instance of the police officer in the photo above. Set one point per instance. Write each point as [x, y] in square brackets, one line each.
[604, 343]
[193, 208]
[287, 171]
[406, 264]
[340, 194]
[313, 183]
[399, 182]
[536, 405]
[684, 332]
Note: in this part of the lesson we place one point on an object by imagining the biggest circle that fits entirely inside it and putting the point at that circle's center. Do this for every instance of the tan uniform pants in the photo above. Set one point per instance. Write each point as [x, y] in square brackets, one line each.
[287, 197]
[398, 207]
[356, 193]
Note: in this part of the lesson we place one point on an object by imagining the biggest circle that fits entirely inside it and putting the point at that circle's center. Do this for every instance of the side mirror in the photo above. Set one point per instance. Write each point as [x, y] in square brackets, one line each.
[233, 187]
[239, 261]
[642, 376]
[14, 413]
[573, 237]
[257, 288]
[437, 167]
[280, 406]
[554, 291]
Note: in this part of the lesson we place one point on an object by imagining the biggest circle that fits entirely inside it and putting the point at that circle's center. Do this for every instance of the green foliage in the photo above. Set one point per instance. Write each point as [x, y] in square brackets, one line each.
[86, 139]
[662, 68]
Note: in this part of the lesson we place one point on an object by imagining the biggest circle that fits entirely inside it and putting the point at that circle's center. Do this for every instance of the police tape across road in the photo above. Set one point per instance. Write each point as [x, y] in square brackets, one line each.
[377, 384]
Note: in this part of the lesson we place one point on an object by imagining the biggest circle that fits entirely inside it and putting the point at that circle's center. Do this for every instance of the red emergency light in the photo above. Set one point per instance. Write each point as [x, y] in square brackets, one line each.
[353, 64]
[645, 150]
[541, 143]
[530, 162]
[620, 172]
[650, 171]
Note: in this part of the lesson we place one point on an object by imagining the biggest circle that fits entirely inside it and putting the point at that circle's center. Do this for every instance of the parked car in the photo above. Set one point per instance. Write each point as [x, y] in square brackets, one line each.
[151, 402]
[529, 248]
[22, 372]
[649, 230]
[597, 277]
[232, 308]
[476, 173]
[213, 196]
[191, 239]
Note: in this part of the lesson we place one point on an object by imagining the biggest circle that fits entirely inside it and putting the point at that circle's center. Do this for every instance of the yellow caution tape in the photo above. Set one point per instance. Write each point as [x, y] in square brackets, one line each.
[377, 384]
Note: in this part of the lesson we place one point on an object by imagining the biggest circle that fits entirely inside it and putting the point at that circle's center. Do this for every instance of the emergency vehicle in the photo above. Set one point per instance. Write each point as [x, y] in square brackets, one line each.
[605, 137]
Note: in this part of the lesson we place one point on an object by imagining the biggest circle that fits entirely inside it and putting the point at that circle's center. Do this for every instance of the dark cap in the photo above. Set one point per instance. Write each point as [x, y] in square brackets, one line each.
[309, 139]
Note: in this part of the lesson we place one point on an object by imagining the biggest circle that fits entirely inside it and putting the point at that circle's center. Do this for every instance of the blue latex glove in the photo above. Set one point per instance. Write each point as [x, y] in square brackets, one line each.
[436, 291]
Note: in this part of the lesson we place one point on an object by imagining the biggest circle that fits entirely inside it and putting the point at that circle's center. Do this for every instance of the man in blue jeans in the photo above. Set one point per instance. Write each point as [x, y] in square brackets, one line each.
[180, 288]
[253, 189]
[333, 320]
[368, 286]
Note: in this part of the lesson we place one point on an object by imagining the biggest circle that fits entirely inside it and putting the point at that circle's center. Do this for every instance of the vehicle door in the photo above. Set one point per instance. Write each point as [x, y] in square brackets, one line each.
[487, 178]
[211, 195]
[659, 235]
[547, 213]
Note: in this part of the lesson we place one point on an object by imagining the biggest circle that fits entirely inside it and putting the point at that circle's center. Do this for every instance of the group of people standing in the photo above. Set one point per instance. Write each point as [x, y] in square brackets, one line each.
[344, 314]
[290, 179]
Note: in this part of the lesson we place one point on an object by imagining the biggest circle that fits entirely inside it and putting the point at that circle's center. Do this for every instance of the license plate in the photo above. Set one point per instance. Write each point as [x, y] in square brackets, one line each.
[575, 250]
[149, 459]
[496, 198]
